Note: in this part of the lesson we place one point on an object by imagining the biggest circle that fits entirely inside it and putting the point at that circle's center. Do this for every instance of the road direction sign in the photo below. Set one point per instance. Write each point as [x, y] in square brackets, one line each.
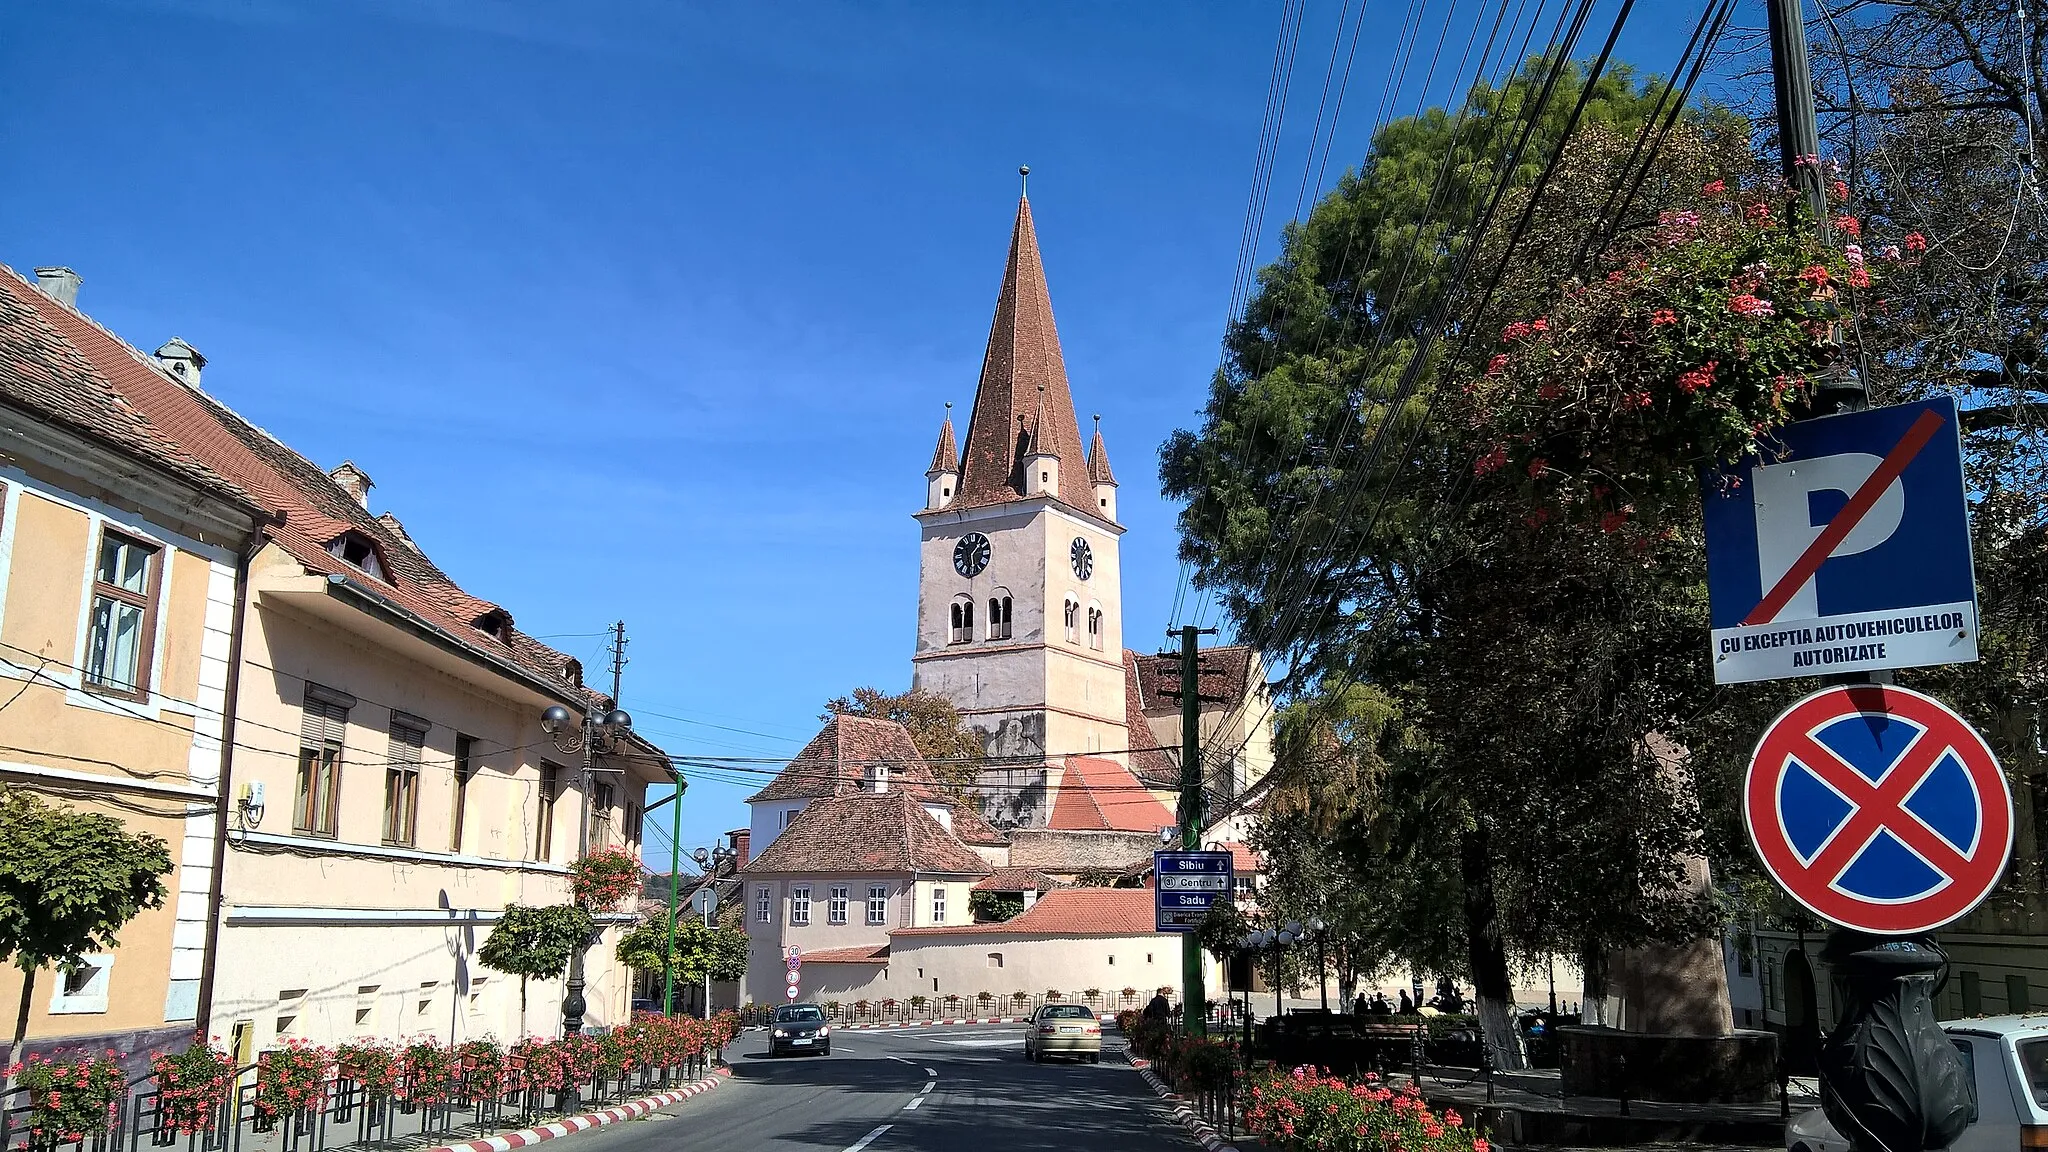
[1845, 548]
[1185, 884]
[1879, 809]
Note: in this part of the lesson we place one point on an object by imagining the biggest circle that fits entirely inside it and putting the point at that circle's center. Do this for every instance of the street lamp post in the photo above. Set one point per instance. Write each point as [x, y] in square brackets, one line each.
[594, 731]
[710, 861]
[1322, 962]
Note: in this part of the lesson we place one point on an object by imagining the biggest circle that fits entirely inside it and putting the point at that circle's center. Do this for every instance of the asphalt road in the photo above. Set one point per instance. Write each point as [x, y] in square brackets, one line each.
[955, 1089]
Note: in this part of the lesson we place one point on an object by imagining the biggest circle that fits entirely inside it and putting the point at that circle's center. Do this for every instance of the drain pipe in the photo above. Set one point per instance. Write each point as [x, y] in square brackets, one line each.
[226, 791]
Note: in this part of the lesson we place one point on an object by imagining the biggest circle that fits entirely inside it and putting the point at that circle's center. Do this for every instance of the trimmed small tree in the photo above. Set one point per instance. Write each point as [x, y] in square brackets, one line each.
[69, 882]
[535, 943]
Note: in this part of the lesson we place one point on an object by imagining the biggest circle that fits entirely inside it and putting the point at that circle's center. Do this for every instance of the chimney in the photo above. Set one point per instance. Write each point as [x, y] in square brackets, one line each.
[354, 481]
[391, 523]
[740, 844]
[182, 359]
[60, 284]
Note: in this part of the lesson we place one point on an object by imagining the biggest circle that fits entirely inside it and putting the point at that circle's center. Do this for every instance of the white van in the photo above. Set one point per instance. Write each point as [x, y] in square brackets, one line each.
[2007, 1059]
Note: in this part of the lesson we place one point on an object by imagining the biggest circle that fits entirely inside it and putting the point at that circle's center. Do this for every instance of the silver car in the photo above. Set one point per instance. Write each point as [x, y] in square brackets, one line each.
[1063, 1030]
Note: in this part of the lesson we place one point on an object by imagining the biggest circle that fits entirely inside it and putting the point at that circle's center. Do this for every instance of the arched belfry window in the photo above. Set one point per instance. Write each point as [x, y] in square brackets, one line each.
[999, 615]
[1095, 626]
[961, 617]
[1073, 622]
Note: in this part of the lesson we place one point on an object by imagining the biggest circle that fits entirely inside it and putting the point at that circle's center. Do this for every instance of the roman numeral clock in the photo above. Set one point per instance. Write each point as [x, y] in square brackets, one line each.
[1082, 557]
[970, 555]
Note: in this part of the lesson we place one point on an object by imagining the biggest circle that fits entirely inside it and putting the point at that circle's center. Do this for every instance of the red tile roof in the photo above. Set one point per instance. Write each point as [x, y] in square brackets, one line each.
[1017, 880]
[837, 759]
[946, 457]
[1023, 357]
[43, 372]
[1096, 794]
[1226, 672]
[864, 954]
[1152, 765]
[317, 511]
[1068, 912]
[867, 832]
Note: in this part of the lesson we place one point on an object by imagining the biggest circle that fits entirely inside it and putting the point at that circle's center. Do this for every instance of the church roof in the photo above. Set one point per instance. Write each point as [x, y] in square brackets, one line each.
[1226, 672]
[1155, 766]
[1023, 357]
[1097, 794]
[837, 758]
[946, 457]
[1098, 458]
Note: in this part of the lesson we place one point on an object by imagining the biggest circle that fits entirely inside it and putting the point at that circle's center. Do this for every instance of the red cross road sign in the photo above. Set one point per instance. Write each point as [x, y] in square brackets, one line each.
[1879, 809]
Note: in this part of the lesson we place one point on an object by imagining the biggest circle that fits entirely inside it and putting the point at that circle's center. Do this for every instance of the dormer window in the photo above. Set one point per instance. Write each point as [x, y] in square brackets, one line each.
[496, 623]
[355, 549]
[878, 778]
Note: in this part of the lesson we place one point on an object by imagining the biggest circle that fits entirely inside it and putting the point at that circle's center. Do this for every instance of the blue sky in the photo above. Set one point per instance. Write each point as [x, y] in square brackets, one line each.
[648, 310]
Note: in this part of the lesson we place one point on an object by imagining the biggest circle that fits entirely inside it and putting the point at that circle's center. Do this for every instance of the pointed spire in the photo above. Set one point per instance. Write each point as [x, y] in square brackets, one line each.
[946, 457]
[1098, 458]
[1022, 361]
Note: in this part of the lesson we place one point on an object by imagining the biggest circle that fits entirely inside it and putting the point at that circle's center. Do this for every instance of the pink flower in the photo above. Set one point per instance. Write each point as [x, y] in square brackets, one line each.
[1889, 251]
[1663, 316]
[1838, 190]
[1848, 225]
[1714, 187]
[1494, 366]
[1915, 242]
[1757, 213]
[1859, 277]
[1853, 253]
[1747, 305]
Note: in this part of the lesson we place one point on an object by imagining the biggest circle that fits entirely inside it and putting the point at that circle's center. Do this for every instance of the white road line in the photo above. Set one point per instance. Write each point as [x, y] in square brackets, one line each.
[931, 1072]
[914, 1102]
[928, 1086]
[901, 1060]
[868, 1139]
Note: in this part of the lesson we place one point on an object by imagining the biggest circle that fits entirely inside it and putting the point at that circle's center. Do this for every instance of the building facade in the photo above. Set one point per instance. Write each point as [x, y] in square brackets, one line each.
[119, 560]
[389, 788]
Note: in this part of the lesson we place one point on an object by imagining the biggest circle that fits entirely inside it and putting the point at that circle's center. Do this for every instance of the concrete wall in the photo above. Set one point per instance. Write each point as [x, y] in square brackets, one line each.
[965, 964]
[151, 763]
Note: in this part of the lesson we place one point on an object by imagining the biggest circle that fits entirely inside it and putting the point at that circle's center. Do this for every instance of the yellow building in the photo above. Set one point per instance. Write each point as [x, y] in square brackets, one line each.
[119, 560]
[390, 788]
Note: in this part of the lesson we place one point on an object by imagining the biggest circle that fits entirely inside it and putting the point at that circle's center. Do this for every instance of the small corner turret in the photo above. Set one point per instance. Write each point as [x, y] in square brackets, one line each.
[942, 479]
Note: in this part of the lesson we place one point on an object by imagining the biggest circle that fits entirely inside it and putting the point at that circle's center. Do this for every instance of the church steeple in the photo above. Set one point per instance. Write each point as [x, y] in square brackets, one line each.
[1100, 476]
[1041, 461]
[943, 477]
[1021, 372]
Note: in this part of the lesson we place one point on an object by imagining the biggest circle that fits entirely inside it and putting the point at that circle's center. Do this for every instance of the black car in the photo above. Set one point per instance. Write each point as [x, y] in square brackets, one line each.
[799, 1028]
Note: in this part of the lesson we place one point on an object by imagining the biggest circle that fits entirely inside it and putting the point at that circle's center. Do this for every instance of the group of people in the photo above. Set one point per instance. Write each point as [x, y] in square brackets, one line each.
[1447, 999]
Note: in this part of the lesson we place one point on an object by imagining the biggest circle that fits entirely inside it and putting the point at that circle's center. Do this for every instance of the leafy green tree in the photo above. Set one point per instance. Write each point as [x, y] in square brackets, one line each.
[953, 750]
[994, 907]
[69, 882]
[719, 950]
[536, 944]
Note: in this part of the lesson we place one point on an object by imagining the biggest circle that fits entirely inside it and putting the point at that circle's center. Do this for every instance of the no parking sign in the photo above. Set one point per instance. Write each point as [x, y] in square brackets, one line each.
[1879, 809]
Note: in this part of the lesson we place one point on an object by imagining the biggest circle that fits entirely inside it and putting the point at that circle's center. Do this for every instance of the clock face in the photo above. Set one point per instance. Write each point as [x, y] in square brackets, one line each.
[1082, 557]
[970, 555]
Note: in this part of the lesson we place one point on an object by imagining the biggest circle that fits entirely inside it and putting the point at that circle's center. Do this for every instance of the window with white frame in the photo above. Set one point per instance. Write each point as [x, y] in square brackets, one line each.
[938, 903]
[125, 582]
[764, 904]
[962, 618]
[878, 904]
[999, 616]
[83, 989]
[835, 910]
[800, 905]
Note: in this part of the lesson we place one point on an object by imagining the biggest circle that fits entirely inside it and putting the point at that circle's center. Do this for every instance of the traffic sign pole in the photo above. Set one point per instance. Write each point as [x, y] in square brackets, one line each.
[1194, 1002]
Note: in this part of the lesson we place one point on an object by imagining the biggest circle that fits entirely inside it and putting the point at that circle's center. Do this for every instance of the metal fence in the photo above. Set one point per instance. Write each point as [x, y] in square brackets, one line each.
[346, 1113]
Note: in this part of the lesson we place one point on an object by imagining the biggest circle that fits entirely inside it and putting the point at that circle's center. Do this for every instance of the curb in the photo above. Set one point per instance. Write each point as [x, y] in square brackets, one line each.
[630, 1110]
[1197, 1127]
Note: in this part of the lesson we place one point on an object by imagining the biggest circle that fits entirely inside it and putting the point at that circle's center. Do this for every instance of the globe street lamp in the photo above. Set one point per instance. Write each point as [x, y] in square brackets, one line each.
[710, 860]
[595, 733]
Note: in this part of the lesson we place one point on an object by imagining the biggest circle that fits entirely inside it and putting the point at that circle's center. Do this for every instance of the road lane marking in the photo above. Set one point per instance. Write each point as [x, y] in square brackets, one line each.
[931, 1072]
[869, 1138]
[901, 1060]
[928, 1086]
[914, 1102]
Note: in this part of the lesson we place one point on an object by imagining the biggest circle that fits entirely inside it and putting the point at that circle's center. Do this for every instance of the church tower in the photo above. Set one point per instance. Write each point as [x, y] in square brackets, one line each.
[1020, 607]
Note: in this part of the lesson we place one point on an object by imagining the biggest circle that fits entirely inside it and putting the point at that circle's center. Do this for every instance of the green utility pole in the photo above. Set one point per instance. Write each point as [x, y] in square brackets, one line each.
[1194, 1003]
[675, 867]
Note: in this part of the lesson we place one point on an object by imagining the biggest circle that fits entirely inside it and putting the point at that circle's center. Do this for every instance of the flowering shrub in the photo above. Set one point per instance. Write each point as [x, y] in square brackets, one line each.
[722, 1029]
[618, 1052]
[1696, 339]
[72, 1100]
[1305, 1111]
[539, 1066]
[482, 1064]
[370, 1063]
[291, 1078]
[191, 1087]
[604, 879]
[431, 1072]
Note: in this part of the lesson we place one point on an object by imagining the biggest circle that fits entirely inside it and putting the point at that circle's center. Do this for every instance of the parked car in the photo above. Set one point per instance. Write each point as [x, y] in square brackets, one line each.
[2007, 1061]
[1064, 1030]
[799, 1028]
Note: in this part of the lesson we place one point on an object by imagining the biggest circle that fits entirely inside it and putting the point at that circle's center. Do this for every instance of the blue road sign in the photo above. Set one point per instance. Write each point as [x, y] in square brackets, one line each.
[1184, 885]
[1846, 548]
